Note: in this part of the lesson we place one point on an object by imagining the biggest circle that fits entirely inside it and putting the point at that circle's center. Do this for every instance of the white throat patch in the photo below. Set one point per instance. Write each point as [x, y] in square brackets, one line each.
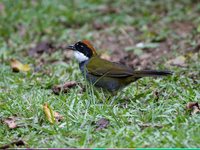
[80, 56]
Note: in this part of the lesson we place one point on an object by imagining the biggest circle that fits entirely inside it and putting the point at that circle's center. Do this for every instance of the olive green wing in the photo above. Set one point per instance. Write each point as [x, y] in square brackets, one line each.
[101, 67]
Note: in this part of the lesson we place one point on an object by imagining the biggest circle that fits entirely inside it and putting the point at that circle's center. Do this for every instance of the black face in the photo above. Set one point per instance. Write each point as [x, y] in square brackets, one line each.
[83, 48]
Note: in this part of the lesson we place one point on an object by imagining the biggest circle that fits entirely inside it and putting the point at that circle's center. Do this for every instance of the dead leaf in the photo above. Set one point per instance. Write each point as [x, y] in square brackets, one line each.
[98, 26]
[64, 87]
[17, 143]
[18, 66]
[41, 47]
[182, 28]
[11, 122]
[102, 123]
[58, 117]
[190, 105]
[178, 61]
[195, 110]
[156, 94]
[49, 113]
[146, 125]
[193, 107]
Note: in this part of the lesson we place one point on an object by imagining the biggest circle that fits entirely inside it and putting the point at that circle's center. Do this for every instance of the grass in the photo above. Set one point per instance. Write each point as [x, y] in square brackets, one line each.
[26, 23]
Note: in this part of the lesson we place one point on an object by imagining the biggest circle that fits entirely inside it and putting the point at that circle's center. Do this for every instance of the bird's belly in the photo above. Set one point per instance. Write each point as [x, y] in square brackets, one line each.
[108, 83]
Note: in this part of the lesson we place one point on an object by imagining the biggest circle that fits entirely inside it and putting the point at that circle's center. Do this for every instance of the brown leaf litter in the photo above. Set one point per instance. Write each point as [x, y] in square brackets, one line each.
[64, 88]
[193, 107]
[114, 46]
[98, 25]
[18, 143]
[42, 47]
[147, 125]
[58, 117]
[101, 124]
[11, 122]
[182, 28]
[113, 49]
[179, 61]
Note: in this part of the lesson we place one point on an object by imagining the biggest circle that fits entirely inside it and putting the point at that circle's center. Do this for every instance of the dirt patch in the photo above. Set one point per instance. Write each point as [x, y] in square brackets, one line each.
[42, 47]
[182, 28]
[113, 48]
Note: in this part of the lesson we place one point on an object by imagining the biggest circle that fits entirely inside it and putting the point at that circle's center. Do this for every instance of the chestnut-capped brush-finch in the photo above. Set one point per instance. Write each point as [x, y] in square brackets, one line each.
[108, 75]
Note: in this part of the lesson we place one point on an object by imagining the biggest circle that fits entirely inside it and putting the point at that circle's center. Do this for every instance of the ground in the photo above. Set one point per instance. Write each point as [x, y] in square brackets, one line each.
[141, 34]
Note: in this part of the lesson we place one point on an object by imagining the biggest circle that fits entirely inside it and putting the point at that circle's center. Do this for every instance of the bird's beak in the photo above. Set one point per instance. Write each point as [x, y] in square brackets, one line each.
[71, 47]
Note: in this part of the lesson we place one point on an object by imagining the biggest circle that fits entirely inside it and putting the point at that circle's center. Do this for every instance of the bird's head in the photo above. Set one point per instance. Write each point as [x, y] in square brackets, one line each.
[83, 50]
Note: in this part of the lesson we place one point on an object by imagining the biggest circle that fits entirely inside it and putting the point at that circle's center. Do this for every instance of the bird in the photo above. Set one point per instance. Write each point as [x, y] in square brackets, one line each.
[110, 76]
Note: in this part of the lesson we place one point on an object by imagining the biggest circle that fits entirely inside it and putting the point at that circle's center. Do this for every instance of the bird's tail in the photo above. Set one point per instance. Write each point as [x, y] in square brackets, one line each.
[150, 73]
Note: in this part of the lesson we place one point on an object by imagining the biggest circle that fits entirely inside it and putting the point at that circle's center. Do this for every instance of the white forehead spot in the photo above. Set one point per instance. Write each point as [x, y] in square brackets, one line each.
[80, 56]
